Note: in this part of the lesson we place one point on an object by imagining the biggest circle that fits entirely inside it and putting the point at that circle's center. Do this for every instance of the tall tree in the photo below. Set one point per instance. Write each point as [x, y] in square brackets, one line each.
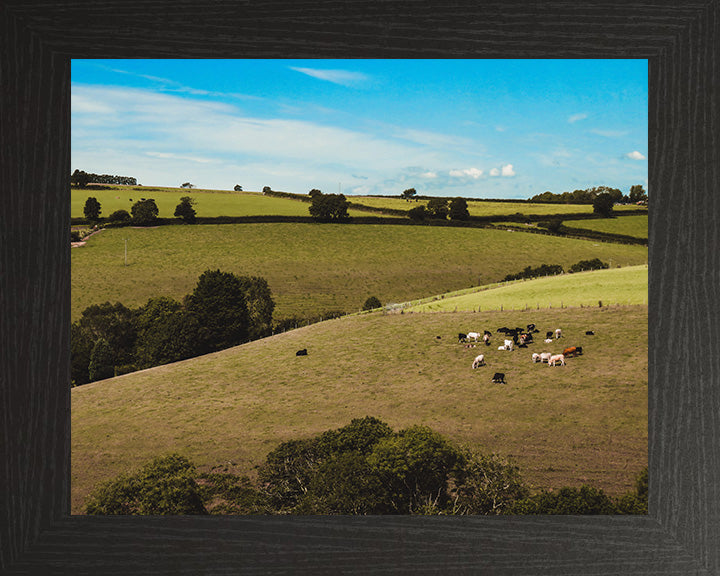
[102, 361]
[92, 209]
[637, 194]
[328, 207]
[603, 205]
[185, 210]
[408, 194]
[438, 208]
[144, 212]
[458, 209]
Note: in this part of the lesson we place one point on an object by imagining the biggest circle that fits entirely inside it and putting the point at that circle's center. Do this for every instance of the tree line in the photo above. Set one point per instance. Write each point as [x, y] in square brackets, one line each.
[362, 468]
[637, 194]
[144, 212]
[553, 269]
[81, 179]
[223, 310]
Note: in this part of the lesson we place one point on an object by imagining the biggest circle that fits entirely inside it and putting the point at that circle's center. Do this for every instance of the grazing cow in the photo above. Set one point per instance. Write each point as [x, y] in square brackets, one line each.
[545, 356]
[473, 335]
[501, 348]
[558, 333]
[499, 378]
[479, 361]
[535, 357]
[462, 337]
[503, 329]
[302, 352]
[589, 333]
[548, 334]
[572, 351]
[548, 340]
[530, 327]
[486, 339]
[555, 359]
[487, 332]
[508, 345]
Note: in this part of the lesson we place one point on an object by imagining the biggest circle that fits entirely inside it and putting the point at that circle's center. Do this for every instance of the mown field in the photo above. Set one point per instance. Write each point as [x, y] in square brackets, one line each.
[209, 203]
[629, 286]
[636, 226]
[313, 268]
[585, 422]
[484, 208]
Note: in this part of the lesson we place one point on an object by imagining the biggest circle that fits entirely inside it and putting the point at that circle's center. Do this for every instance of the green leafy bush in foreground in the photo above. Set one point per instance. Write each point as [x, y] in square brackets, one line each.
[362, 468]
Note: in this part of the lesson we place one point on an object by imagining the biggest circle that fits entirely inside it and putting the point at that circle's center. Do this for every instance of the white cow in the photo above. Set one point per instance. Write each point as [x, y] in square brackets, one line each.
[508, 344]
[486, 339]
[473, 335]
[536, 357]
[558, 333]
[545, 356]
[479, 361]
[555, 359]
[548, 341]
[501, 348]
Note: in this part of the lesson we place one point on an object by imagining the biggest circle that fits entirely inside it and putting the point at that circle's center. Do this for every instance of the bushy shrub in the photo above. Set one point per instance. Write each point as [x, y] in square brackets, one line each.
[119, 217]
[594, 264]
[372, 303]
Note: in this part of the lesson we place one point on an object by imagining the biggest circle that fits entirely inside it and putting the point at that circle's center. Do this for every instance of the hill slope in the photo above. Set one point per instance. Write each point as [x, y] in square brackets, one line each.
[582, 423]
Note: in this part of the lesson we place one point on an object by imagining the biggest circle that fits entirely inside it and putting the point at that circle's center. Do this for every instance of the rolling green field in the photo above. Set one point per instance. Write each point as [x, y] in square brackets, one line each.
[636, 226]
[209, 203]
[585, 422]
[313, 268]
[612, 286]
[483, 208]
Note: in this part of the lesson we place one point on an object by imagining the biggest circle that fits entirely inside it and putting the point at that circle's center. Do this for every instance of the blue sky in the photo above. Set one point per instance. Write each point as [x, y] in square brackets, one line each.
[475, 128]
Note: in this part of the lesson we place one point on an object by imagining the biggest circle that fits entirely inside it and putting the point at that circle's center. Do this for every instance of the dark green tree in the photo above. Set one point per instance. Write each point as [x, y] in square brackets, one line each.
[415, 467]
[408, 194]
[458, 209]
[637, 194]
[92, 209]
[419, 213]
[102, 361]
[80, 179]
[237, 188]
[119, 217]
[218, 303]
[372, 303]
[144, 212]
[583, 500]
[115, 324]
[81, 347]
[438, 208]
[167, 485]
[603, 205]
[329, 207]
[185, 210]
[260, 305]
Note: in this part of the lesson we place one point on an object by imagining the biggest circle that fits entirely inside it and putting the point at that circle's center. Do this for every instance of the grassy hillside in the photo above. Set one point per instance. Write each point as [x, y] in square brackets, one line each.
[582, 423]
[318, 267]
[612, 286]
[636, 226]
[209, 203]
[482, 208]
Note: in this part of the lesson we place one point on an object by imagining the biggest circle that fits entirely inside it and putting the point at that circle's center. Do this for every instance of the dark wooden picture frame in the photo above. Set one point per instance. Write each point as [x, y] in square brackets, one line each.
[681, 534]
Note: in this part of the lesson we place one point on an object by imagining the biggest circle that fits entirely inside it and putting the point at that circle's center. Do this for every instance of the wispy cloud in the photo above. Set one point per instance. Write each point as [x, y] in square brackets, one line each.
[610, 133]
[577, 117]
[635, 155]
[341, 77]
[473, 173]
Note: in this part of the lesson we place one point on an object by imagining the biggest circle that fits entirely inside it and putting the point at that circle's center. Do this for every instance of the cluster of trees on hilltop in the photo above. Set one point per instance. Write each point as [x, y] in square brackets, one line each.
[328, 207]
[588, 196]
[81, 179]
[441, 208]
[362, 468]
[223, 310]
[553, 269]
[144, 212]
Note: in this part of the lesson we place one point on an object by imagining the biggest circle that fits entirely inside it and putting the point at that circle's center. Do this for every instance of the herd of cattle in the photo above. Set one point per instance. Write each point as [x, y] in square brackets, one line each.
[520, 338]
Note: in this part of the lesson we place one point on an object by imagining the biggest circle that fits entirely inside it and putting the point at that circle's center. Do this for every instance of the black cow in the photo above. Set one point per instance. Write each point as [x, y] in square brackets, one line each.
[462, 337]
[499, 378]
[549, 334]
[530, 327]
[589, 333]
[302, 352]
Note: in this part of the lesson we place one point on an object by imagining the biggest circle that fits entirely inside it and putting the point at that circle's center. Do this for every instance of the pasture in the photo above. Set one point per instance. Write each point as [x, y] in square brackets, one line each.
[483, 207]
[636, 225]
[612, 286]
[585, 422]
[209, 203]
[313, 268]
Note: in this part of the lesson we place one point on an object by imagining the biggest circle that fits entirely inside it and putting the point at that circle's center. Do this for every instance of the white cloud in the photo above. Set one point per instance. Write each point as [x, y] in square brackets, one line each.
[342, 77]
[494, 172]
[429, 174]
[577, 117]
[634, 155]
[467, 172]
[610, 133]
[507, 170]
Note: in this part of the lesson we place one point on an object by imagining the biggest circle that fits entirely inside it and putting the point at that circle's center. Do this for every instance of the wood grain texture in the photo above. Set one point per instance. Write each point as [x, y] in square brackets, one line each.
[682, 533]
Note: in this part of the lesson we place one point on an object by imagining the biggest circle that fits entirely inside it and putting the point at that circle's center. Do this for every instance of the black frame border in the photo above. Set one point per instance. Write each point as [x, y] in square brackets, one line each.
[681, 534]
